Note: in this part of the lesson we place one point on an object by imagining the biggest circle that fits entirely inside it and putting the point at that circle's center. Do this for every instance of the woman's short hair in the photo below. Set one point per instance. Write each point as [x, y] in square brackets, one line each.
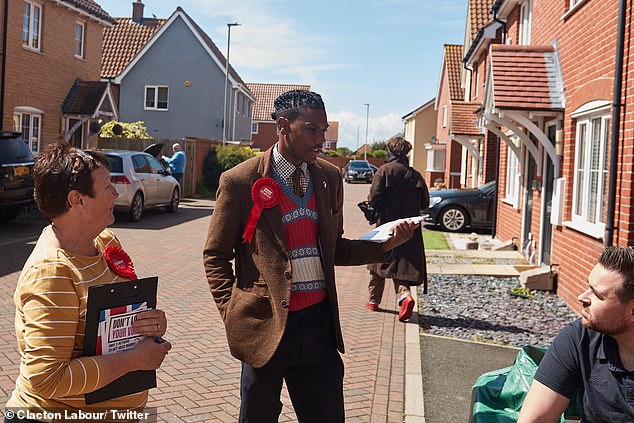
[398, 146]
[59, 169]
[621, 260]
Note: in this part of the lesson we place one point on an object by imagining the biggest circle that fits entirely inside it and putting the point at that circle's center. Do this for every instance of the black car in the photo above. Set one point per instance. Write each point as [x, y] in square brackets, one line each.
[16, 175]
[455, 209]
[358, 170]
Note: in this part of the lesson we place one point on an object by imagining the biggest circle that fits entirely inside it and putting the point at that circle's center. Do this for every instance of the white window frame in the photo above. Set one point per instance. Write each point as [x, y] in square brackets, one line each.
[32, 30]
[80, 43]
[436, 161]
[526, 18]
[254, 127]
[587, 214]
[31, 130]
[512, 189]
[444, 116]
[155, 106]
[574, 3]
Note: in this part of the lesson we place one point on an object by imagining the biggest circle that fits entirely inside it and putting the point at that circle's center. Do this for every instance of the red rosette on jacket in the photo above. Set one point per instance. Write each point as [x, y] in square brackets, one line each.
[119, 262]
[266, 193]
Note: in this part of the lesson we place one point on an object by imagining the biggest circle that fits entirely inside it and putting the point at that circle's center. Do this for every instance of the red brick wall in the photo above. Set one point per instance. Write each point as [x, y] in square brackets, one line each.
[508, 221]
[586, 42]
[266, 136]
[43, 79]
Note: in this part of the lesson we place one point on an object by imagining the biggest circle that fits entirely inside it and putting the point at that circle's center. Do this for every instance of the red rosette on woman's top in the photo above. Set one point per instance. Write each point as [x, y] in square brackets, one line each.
[119, 262]
[266, 193]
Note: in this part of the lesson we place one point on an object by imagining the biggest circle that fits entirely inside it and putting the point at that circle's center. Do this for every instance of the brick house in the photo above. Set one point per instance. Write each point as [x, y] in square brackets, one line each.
[548, 101]
[264, 128]
[49, 88]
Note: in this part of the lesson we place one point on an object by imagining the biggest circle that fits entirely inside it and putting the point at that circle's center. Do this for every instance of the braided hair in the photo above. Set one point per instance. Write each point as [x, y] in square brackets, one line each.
[290, 104]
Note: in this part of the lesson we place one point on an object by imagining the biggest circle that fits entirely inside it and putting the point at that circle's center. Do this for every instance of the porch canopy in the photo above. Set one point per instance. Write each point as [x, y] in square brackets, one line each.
[524, 89]
[465, 131]
[86, 101]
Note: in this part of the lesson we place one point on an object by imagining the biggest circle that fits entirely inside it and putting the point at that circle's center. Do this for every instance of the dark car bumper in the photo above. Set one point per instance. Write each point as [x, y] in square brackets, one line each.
[430, 215]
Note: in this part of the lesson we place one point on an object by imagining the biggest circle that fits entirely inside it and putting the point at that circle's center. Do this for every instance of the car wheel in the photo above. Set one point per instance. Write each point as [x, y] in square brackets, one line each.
[173, 207]
[136, 208]
[9, 214]
[453, 219]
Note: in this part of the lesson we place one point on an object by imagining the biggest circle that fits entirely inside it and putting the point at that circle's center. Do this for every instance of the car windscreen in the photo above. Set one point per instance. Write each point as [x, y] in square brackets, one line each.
[14, 150]
[116, 163]
[359, 165]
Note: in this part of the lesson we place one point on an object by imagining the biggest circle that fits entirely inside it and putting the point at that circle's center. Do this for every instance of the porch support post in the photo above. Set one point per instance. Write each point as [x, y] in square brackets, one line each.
[539, 134]
[522, 136]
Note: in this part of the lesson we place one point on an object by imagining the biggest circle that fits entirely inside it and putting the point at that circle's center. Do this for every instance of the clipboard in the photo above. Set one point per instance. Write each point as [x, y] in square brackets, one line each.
[103, 299]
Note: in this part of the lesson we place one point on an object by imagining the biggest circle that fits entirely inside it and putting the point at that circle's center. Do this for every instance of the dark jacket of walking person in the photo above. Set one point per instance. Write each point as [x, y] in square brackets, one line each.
[408, 265]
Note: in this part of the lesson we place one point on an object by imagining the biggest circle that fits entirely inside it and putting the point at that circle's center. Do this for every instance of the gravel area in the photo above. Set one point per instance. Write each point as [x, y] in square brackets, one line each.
[482, 308]
[470, 260]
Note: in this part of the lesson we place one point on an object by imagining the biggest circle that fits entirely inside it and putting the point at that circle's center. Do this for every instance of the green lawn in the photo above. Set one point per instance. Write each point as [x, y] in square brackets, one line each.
[435, 240]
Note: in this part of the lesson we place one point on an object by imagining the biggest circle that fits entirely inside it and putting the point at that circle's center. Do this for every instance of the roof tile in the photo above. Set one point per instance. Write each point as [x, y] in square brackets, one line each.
[266, 94]
[91, 7]
[123, 41]
[453, 60]
[526, 77]
[463, 117]
[480, 13]
[84, 97]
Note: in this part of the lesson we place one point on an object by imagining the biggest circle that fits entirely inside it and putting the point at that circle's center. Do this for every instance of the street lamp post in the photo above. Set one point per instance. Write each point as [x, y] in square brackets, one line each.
[224, 110]
[367, 119]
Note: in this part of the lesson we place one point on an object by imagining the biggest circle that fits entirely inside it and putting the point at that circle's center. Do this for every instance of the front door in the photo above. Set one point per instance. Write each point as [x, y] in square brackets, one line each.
[547, 227]
[528, 204]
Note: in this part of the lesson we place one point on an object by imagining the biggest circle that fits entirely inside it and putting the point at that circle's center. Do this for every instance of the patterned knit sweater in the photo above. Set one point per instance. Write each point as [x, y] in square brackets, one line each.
[301, 227]
[50, 301]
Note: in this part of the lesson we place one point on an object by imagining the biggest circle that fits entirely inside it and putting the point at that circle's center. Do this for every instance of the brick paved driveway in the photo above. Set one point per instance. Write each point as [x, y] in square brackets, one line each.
[199, 380]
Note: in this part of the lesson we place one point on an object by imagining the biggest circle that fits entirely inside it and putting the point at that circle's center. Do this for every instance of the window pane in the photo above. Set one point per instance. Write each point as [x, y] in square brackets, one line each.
[36, 27]
[592, 200]
[606, 133]
[162, 98]
[79, 40]
[149, 97]
[25, 24]
[35, 137]
[581, 140]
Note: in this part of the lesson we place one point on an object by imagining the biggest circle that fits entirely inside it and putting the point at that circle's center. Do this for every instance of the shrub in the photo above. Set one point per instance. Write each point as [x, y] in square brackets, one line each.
[219, 159]
[132, 130]
[379, 153]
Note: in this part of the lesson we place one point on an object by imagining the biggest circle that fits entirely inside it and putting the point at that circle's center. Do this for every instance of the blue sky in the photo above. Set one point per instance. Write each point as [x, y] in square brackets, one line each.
[383, 52]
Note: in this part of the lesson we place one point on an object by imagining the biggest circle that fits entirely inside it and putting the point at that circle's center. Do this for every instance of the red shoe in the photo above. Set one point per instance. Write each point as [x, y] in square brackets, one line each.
[407, 305]
[372, 306]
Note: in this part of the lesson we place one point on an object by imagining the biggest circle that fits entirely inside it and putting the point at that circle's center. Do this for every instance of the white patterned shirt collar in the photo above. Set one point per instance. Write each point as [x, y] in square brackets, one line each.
[285, 169]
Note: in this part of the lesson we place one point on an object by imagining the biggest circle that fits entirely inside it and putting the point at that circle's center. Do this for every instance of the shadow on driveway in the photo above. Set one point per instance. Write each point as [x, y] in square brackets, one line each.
[157, 218]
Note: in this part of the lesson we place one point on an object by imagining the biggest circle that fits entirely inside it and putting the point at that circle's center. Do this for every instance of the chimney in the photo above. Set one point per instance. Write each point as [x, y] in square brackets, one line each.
[137, 11]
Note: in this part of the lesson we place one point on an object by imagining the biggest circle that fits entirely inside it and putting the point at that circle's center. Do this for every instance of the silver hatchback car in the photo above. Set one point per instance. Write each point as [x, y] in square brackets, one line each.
[142, 181]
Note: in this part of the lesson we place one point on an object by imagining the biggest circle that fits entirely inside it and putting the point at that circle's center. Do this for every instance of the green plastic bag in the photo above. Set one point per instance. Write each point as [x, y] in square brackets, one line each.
[497, 396]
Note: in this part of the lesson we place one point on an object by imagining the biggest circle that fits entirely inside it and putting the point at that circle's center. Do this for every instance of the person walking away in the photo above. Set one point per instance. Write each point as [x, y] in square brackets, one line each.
[280, 216]
[177, 162]
[410, 196]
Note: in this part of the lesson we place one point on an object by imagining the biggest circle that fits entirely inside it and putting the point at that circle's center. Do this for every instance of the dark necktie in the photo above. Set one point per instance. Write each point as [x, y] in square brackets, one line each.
[297, 182]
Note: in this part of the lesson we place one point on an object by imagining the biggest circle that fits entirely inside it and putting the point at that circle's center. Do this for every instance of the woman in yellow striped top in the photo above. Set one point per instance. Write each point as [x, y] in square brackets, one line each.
[73, 191]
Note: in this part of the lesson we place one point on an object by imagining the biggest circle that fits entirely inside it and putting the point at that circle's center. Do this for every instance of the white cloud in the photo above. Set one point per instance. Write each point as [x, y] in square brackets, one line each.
[380, 128]
[269, 41]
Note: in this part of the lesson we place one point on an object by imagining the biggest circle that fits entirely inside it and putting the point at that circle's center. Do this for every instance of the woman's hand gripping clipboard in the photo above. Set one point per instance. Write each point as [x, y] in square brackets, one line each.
[110, 311]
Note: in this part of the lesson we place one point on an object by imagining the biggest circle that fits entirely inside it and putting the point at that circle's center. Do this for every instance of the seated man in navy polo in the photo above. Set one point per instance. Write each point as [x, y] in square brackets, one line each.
[595, 354]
